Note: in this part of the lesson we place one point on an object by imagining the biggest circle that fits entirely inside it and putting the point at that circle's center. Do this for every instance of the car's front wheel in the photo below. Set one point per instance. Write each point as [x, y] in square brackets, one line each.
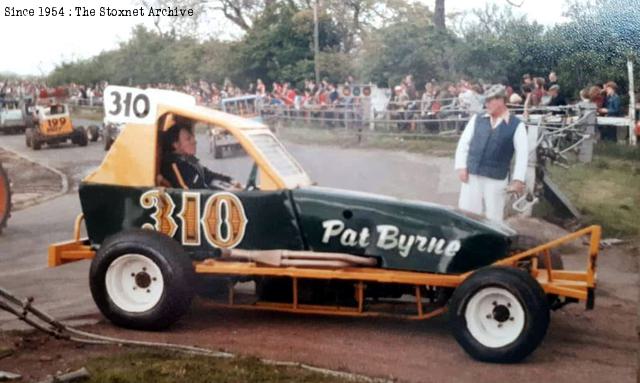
[499, 314]
[108, 141]
[142, 279]
[81, 138]
[93, 133]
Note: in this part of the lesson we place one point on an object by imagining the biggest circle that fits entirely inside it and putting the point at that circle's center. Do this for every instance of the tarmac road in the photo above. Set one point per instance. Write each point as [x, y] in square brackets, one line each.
[596, 346]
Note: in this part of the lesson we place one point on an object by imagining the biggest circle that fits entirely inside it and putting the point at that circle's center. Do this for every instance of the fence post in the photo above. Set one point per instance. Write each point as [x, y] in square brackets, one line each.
[585, 150]
[533, 133]
[632, 104]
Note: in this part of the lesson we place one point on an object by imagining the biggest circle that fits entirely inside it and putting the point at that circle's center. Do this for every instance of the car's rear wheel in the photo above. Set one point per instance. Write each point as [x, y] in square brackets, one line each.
[5, 198]
[499, 314]
[142, 279]
[80, 138]
[36, 144]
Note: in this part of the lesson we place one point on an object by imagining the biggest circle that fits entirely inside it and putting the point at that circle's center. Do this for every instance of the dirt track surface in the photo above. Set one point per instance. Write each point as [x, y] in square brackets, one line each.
[593, 346]
[585, 346]
[29, 181]
[582, 346]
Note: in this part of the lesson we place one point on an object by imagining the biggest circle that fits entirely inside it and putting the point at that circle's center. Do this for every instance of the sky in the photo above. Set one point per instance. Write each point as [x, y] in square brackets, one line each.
[33, 45]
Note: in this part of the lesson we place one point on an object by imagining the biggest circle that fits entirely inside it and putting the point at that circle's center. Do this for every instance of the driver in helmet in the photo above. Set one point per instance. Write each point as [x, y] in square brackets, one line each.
[181, 168]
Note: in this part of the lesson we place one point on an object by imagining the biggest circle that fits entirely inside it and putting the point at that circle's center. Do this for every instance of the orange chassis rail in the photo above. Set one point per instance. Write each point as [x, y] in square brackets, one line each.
[574, 284]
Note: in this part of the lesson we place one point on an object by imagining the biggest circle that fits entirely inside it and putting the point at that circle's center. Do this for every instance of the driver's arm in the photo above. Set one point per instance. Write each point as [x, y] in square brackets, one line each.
[210, 177]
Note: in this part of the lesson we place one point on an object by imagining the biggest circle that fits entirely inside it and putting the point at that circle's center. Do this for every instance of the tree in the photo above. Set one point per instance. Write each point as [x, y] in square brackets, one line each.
[499, 47]
[414, 47]
[279, 46]
[438, 15]
[596, 42]
[383, 39]
[149, 57]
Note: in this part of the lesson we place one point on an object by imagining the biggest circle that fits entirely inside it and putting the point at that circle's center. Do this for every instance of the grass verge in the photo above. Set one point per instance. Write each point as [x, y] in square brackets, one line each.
[87, 114]
[607, 190]
[435, 146]
[160, 367]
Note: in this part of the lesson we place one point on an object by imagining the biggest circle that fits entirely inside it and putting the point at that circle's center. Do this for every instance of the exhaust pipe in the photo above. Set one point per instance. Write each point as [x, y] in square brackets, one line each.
[298, 258]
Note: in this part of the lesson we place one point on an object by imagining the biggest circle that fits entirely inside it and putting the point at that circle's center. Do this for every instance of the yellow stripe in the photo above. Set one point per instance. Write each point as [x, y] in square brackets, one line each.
[179, 176]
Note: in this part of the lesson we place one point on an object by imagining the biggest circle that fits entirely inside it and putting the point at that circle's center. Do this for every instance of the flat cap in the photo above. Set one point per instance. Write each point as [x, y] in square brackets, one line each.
[495, 91]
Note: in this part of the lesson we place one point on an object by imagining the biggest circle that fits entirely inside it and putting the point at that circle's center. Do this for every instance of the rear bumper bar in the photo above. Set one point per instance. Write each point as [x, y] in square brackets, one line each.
[577, 284]
[71, 251]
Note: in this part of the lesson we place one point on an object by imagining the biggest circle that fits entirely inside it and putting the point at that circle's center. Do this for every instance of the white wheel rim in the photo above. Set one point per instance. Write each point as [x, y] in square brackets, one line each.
[495, 317]
[134, 283]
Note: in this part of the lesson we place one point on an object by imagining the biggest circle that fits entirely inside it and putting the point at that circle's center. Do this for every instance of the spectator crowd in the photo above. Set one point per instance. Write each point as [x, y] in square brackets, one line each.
[407, 104]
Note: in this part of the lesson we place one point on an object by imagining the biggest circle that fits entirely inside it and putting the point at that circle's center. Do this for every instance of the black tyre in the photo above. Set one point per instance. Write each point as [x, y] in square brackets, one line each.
[5, 198]
[499, 314]
[523, 243]
[93, 133]
[108, 141]
[142, 279]
[81, 138]
[36, 144]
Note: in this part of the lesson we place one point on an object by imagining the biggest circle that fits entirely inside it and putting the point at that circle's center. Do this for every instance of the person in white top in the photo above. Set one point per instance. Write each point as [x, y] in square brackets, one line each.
[470, 100]
[483, 157]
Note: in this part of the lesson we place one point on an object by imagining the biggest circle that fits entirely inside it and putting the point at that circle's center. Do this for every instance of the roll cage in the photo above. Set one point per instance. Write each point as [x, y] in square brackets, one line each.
[139, 144]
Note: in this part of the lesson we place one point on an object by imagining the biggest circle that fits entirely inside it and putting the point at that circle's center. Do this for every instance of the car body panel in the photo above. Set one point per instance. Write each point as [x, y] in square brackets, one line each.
[407, 235]
[264, 220]
[400, 234]
[12, 114]
[54, 121]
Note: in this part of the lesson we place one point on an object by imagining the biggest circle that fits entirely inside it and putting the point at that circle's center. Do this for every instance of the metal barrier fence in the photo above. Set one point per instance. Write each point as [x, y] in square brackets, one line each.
[410, 118]
[361, 117]
[445, 121]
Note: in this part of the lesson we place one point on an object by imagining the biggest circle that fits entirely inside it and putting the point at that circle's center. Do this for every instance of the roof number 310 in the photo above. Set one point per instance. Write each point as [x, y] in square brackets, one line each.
[139, 105]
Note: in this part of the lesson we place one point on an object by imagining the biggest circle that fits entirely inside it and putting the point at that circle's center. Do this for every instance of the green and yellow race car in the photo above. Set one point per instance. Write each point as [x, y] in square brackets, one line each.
[307, 249]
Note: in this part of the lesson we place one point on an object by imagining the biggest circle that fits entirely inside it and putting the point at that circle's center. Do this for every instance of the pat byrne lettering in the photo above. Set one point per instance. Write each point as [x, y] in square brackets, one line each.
[387, 237]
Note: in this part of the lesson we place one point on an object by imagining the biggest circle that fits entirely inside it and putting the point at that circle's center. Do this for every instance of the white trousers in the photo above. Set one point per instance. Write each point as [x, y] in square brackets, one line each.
[484, 196]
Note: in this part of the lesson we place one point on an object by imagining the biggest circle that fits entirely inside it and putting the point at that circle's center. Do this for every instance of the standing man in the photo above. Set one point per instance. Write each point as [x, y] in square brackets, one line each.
[483, 157]
[612, 108]
[557, 99]
[553, 79]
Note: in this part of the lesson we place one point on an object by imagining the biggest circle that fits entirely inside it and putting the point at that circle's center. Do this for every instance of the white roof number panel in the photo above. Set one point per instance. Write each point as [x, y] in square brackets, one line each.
[129, 105]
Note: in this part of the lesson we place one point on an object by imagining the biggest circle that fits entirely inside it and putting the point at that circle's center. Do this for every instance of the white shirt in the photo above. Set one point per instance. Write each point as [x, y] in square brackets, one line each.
[520, 143]
[471, 101]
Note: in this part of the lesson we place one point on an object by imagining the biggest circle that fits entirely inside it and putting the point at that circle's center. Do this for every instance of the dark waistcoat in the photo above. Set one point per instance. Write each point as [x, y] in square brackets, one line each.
[491, 150]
